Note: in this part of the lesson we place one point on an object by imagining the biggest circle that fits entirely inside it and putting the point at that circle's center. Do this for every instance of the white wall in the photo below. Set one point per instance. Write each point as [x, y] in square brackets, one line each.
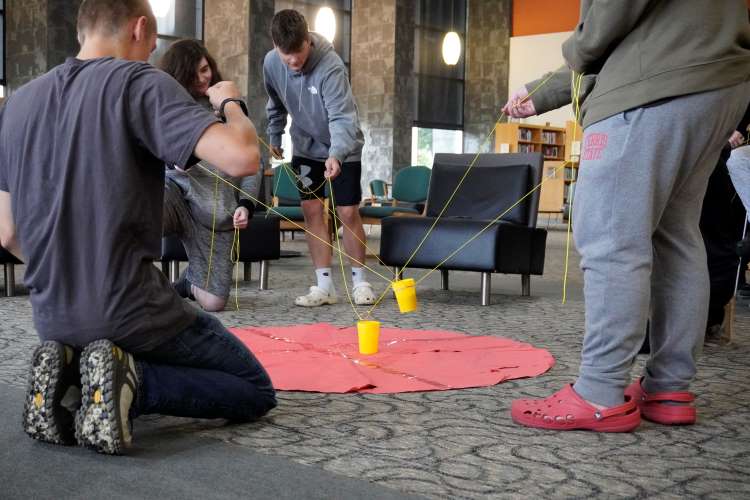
[531, 57]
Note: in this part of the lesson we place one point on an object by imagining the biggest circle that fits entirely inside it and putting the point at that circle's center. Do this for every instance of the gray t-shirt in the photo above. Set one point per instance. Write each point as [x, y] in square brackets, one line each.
[82, 153]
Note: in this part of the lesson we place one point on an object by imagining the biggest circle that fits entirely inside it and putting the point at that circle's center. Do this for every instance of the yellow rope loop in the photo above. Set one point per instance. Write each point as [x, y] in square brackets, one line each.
[294, 223]
[368, 314]
[235, 258]
[341, 257]
[213, 230]
[577, 81]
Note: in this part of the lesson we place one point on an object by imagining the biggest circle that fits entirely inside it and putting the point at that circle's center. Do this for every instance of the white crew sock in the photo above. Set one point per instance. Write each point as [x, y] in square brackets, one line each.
[324, 279]
[358, 275]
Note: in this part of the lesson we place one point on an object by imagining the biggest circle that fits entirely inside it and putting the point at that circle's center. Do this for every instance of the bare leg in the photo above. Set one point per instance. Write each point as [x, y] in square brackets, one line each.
[315, 224]
[354, 234]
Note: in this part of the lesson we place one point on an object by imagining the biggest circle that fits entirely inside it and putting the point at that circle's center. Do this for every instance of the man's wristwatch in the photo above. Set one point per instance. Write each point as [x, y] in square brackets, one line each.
[231, 99]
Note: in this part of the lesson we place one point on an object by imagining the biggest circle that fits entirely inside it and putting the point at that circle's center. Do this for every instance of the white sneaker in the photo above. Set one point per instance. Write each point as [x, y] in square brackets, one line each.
[363, 294]
[316, 297]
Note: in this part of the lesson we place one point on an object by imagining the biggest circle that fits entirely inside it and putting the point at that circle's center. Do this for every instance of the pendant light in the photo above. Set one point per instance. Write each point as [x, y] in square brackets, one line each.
[160, 7]
[451, 45]
[325, 23]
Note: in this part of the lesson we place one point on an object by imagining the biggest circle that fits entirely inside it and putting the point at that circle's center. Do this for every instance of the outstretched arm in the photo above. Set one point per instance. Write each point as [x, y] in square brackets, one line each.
[276, 113]
[231, 146]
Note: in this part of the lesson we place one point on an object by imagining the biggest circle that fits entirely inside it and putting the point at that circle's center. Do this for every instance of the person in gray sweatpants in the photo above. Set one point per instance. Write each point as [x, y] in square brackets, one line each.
[635, 224]
[663, 88]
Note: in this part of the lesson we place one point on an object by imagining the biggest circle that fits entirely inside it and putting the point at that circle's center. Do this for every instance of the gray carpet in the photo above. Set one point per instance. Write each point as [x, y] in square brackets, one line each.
[170, 461]
[452, 444]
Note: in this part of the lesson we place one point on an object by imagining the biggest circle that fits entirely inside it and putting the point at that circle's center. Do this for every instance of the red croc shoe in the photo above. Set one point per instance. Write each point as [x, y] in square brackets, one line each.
[654, 408]
[566, 411]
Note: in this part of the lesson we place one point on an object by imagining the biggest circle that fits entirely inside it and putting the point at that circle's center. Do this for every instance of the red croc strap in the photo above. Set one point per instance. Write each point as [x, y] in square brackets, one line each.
[627, 407]
[677, 397]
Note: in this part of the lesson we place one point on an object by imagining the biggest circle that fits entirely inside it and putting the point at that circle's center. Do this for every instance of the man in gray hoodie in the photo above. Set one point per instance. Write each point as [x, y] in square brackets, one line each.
[306, 79]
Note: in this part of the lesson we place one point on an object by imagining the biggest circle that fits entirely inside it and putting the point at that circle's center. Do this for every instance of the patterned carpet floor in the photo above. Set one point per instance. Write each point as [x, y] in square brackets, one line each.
[463, 444]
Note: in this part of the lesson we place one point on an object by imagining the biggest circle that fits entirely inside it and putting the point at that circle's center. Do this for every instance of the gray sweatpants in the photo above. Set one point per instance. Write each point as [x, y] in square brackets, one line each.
[643, 177]
[180, 221]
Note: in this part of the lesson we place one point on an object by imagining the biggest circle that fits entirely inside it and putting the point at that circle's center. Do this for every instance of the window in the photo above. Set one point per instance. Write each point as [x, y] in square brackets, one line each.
[426, 142]
[176, 19]
[437, 128]
[2, 49]
[436, 81]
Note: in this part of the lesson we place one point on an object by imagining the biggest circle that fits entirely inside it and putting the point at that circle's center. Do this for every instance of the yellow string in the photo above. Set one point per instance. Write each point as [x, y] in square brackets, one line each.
[332, 212]
[213, 230]
[577, 111]
[235, 258]
[341, 257]
[461, 181]
[490, 224]
[295, 224]
[342, 253]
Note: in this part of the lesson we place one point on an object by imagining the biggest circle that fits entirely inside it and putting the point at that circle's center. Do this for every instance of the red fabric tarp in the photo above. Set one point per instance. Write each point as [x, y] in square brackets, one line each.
[325, 358]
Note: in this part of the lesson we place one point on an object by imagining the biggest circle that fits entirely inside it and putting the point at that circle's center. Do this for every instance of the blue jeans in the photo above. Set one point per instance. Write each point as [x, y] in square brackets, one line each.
[203, 372]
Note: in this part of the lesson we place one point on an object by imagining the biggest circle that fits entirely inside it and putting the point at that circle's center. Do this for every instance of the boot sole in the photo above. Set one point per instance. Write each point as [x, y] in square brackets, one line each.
[43, 417]
[97, 421]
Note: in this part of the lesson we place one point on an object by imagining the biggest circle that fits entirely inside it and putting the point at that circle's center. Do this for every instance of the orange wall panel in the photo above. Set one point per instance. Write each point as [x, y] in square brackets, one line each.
[536, 17]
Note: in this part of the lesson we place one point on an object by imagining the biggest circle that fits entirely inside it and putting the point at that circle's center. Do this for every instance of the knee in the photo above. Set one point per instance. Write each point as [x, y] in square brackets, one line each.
[313, 211]
[212, 303]
[348, 215]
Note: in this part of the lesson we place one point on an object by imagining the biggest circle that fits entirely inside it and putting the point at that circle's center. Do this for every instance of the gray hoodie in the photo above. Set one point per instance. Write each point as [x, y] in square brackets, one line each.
[320, 101]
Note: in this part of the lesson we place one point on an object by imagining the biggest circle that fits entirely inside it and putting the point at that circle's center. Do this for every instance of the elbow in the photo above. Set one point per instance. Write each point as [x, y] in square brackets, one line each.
[247, 162]
[8, 239]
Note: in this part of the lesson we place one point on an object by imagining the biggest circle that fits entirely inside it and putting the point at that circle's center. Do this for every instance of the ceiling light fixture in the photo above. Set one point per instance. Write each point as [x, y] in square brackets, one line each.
[325, 23]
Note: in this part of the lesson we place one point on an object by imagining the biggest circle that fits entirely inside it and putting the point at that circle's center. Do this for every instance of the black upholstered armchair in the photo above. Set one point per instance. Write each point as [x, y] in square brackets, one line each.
[259, 242]
[512, 245]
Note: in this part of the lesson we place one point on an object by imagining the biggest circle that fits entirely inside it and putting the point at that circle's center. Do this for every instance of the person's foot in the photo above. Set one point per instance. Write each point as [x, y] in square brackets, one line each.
[316, 297]
[566, 410]
[668, 408]
[363, 294]
[52, 395]
[109, 379]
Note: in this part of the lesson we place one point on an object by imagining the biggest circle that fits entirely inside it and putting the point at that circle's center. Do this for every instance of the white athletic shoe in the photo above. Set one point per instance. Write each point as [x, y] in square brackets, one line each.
[316, 297]
[363, 294]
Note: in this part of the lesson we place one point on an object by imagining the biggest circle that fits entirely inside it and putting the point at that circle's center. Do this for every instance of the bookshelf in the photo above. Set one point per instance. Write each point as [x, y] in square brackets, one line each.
[525, 138]
[557, 144]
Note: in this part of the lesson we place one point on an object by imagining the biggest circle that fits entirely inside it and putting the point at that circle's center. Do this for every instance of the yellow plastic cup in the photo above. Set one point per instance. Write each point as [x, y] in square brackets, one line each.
[406, 295]
[369, 334]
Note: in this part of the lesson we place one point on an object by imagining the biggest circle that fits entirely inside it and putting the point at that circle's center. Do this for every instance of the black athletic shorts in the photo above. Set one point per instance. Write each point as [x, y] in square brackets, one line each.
[347, 190]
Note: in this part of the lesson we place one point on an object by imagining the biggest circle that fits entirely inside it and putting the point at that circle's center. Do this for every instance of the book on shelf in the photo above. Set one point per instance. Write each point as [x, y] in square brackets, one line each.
[525, 148]
[524, 134]
[551, 151]
[549, 137]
